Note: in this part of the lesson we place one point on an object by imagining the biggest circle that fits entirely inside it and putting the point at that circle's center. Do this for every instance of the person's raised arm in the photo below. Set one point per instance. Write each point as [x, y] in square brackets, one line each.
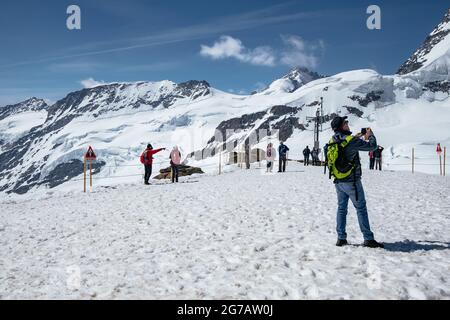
[369, 145]
[157, 150]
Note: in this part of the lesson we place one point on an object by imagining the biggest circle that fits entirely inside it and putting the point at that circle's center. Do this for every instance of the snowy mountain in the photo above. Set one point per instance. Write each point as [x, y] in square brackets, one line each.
[432, 60]
[18, 119]
[409, 109]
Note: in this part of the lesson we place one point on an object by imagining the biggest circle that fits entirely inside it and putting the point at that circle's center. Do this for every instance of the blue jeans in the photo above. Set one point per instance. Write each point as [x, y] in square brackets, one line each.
[344, 192]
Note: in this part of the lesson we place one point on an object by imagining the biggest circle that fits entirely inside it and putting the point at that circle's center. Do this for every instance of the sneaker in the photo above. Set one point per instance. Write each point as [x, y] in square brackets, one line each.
[341, 243]
[372, 244]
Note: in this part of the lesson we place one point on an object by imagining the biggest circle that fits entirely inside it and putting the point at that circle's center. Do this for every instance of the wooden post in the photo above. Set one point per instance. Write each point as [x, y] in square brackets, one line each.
[220, 163]
[238, 157]
[287, 159]
[90, 174]
[258, 154]
[84, 171]
[412, 160]
[445, 154]
[242, 157]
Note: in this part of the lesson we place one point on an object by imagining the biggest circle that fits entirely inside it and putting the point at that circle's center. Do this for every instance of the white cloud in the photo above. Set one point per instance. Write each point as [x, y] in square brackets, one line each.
[91, 83]
[295, 52]
[298, 52]
[229, 47]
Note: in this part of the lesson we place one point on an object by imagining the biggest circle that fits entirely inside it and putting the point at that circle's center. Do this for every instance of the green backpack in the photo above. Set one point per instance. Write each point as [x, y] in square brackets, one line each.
[338, 165]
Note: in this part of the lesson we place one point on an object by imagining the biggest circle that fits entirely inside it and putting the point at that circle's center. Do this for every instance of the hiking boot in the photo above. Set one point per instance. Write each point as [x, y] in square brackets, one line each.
[146, 183]
[372, 244]
[341, 243]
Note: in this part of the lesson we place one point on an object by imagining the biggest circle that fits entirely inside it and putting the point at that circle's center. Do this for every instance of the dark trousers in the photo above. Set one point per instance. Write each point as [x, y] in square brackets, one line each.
[282, 164]
[372, 163]
[306, 161]
[175, 172]
[148, 172]
[378, 164]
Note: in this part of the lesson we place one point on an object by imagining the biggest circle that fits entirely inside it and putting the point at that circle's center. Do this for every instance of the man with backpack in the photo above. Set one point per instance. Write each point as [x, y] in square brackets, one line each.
[282, 151]
[342, 157]
[147, 161]
[306, 154]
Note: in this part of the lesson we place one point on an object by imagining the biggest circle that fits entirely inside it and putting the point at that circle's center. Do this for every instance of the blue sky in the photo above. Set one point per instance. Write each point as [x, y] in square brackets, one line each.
[235, 45]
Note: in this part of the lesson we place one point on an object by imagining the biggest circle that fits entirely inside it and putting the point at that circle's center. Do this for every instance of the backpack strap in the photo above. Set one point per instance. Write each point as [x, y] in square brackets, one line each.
[346, 141]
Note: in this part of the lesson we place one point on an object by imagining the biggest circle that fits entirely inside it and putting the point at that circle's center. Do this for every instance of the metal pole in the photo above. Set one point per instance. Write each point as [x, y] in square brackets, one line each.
[412, 160]
[84, 173]
[440, 165]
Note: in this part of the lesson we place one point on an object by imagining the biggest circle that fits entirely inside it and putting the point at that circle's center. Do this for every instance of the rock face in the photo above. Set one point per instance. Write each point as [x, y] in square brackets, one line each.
[440, 34]
[183, 171]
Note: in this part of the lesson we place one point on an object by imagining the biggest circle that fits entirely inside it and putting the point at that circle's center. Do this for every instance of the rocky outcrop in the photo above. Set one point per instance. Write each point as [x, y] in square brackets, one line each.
[183, 171]
[370, 97]
[438, 86]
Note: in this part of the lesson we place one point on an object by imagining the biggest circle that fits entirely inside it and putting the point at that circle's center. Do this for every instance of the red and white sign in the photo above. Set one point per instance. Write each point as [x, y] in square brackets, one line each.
[438, 149]
[90, 154]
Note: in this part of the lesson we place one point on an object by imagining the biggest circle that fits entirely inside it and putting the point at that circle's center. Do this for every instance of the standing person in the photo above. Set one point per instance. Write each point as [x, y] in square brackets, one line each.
[345, 165]
[282, 152]
[175, 161]
[372, 160]
[377, 154]
[147, 161]
[314, 156]
[270, 157]
[306, 154]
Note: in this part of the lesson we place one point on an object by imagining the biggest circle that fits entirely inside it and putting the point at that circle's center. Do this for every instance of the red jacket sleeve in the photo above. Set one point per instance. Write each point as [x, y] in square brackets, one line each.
[152, 152]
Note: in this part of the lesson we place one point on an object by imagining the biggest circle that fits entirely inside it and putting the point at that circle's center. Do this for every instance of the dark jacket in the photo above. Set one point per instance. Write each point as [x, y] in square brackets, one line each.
[352, 153]
[306, 152]
[377, 153]
[282, 150]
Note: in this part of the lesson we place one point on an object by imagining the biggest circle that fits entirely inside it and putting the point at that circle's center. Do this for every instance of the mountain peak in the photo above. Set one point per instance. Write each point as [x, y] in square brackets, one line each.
[302, 75]
[32, 104]
[294, 79]
[435, 46]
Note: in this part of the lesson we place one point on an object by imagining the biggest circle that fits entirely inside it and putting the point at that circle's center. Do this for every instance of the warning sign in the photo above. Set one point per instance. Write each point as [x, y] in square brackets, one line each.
[438, 149]
[90, 155]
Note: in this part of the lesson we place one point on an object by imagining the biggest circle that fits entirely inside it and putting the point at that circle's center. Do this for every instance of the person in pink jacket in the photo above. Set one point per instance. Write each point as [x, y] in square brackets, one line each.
[175, 161]
[270, 157]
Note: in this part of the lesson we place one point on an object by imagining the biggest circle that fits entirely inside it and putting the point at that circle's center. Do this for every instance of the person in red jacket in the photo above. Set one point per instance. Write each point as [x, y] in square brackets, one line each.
[147, 161]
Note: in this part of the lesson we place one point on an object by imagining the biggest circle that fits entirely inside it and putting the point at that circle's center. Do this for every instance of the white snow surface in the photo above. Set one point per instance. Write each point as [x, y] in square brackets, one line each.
[240, 235]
